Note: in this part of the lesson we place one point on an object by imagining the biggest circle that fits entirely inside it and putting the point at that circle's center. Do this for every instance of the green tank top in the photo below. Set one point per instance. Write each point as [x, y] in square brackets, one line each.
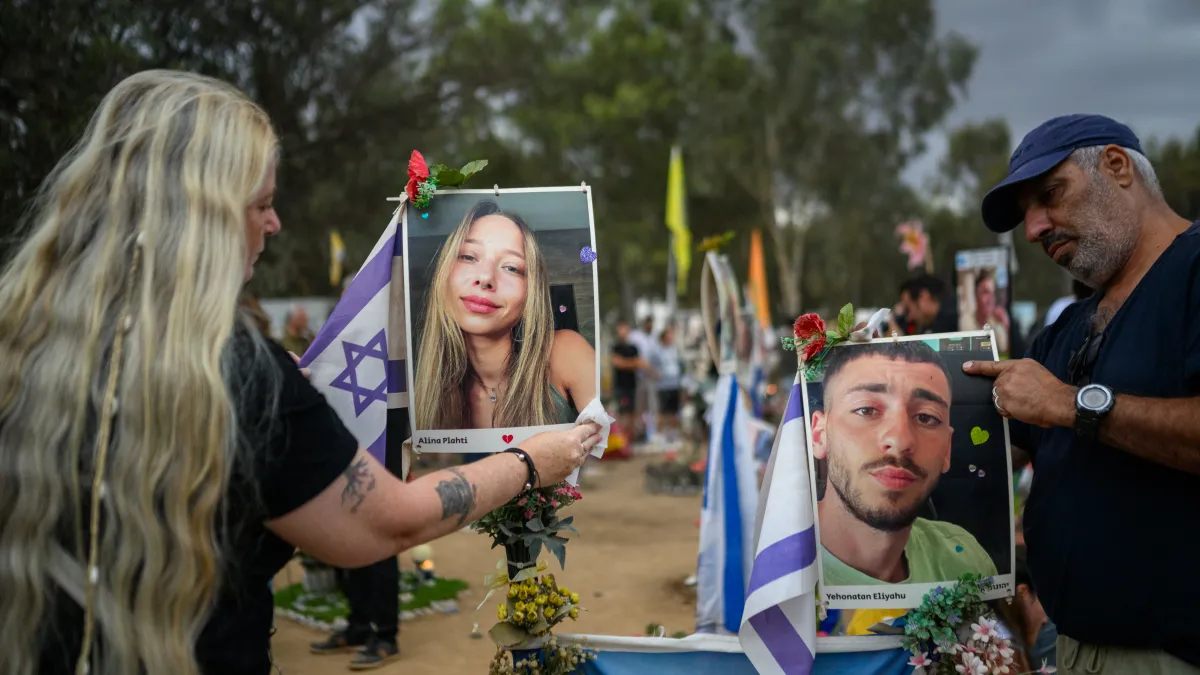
[564, 412]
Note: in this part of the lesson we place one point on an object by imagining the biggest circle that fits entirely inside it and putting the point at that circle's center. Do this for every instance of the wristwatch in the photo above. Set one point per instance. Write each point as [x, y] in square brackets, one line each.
[1092, 404]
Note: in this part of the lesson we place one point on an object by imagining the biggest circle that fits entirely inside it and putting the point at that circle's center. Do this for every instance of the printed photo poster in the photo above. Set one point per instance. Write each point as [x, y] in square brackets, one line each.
[501, 295]
[984, 293]
[910, 471]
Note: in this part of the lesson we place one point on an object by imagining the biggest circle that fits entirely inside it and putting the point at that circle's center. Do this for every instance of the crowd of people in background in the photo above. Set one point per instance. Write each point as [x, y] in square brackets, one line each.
[648, 381]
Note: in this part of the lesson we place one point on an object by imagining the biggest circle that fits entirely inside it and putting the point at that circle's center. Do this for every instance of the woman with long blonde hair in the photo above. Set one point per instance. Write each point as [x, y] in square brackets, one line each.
[160, 461]
[489, 355]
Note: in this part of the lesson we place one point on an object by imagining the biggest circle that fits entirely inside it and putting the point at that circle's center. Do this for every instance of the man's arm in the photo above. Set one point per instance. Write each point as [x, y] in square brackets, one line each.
[1163, 430]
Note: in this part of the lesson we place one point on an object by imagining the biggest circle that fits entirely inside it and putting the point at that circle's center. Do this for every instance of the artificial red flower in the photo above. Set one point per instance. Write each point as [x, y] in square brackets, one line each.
[417, 168]
[411, 188]
[809, 325]
[814, 347]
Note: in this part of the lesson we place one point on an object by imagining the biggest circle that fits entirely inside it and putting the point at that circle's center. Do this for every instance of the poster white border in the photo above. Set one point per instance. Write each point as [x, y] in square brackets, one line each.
[487, 440]
[904, 596]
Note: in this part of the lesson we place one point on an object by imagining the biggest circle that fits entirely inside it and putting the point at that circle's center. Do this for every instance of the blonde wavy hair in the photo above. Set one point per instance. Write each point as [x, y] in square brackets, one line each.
[163, 176]
[444, 374]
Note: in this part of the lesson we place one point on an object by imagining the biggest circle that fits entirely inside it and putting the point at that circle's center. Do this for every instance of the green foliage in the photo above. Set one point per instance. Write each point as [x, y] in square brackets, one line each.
[797, 118]
[943, 612]
[332, 606]
[531, 520]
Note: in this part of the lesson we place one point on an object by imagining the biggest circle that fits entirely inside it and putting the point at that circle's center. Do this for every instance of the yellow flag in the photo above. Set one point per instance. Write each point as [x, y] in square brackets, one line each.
[681, 236]
[337, 254]
[758, 279]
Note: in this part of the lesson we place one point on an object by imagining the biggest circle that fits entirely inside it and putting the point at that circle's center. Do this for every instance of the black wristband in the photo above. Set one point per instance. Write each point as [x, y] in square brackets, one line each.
[533, 474]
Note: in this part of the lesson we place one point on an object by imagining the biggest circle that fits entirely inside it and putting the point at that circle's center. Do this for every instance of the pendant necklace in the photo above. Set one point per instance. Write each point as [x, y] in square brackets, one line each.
[492, 394]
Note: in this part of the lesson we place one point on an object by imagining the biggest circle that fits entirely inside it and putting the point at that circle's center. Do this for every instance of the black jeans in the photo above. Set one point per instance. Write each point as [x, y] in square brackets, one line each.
[373, 593]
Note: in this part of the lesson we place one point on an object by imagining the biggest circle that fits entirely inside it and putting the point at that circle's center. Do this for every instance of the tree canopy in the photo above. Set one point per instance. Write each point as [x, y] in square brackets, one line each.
[798, 118]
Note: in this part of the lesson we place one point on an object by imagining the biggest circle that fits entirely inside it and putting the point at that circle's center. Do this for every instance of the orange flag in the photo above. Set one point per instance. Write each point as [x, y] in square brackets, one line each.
[758, 280]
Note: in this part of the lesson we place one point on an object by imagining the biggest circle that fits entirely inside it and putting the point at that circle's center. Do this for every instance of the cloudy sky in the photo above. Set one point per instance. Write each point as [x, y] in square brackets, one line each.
[1137, 61]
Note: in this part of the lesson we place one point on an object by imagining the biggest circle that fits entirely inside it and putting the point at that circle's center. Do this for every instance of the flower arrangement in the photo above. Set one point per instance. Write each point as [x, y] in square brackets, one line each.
[813, 341]
[534, 602]
[557, 659]
[953, 632]
[424, 180]
[529, 522]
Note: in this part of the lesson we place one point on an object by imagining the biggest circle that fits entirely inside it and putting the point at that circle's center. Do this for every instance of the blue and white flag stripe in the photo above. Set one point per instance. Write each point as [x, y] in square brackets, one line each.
[778, 630]
[727, 515]
[357, 358]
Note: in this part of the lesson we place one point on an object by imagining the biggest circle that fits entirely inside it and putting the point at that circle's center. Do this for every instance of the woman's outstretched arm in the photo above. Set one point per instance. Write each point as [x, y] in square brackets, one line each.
[367, 514]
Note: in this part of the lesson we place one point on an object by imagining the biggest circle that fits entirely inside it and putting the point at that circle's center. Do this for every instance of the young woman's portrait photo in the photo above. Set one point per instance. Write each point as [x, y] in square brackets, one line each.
[502, 309]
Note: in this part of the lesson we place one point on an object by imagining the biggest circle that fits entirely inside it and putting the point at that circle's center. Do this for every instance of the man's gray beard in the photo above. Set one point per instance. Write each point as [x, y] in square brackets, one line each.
[1106, 245]
[879, 519]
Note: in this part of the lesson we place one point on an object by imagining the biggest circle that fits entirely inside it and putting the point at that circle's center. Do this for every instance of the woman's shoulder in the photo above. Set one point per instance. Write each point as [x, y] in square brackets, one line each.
[570, 344]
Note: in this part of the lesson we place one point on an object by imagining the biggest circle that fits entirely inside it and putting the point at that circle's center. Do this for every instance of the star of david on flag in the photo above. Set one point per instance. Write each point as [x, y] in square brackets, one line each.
[347, 380]
[357, 358]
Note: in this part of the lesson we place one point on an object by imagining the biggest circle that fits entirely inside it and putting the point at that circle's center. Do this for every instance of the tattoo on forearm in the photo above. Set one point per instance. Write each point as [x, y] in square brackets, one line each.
[359, 481]
[457, 495]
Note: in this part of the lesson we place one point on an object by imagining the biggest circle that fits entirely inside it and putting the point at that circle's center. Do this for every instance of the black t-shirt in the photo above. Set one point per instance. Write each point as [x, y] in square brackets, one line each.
[1112, 537]
[287, 459]
[625, 378]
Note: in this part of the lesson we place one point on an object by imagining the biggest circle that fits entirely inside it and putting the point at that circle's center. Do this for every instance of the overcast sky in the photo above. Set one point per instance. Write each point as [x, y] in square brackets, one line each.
[1137, 61]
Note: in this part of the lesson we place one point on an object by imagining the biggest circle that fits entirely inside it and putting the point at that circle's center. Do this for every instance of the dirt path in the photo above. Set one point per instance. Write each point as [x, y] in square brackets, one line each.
[628, 566]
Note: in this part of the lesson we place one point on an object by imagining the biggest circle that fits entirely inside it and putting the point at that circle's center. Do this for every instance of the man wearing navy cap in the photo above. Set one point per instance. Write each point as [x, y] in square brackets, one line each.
[1108, 401]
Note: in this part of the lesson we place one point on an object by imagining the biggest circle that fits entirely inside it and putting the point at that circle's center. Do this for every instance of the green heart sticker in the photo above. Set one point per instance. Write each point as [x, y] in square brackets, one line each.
[979, 436]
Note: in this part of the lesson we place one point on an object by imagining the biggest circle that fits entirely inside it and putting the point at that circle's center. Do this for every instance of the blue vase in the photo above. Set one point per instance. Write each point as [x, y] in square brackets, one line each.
[519, 655]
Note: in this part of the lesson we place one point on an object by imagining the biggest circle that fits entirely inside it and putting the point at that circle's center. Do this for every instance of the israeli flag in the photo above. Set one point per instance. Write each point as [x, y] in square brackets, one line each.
[779, 629]
[357, 359]
[727, 515]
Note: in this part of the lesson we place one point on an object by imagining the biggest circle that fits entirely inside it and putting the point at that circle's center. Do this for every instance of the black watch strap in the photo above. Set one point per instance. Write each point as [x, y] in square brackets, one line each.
[1087, 425]
[532, 481]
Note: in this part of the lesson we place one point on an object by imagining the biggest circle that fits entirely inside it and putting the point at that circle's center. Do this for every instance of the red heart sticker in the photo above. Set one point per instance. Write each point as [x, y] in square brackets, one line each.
[507, 438]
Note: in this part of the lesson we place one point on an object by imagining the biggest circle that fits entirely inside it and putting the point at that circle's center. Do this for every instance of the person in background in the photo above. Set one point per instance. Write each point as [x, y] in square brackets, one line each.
[1079, 291]
[1108, 401]
[627, 361]
[1024, 623]
[665, 360]
[644, 399]
[925, 307]
[988, 312]
[296, 334]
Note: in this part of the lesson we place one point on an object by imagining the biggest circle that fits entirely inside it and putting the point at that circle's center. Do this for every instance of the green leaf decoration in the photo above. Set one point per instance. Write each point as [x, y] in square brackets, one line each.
[472, 168]
[437, 169]
[557, 546]
[506, 635]
[846, 320]
[450, 178]
[526, 573]
[535, 525]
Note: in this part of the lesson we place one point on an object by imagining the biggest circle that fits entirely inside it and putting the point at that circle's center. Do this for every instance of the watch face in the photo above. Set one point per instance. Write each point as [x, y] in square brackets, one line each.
[1094, 398]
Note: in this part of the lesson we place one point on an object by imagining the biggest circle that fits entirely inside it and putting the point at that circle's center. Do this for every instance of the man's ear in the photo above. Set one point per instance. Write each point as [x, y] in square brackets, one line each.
[818, 434]
[1116, 162]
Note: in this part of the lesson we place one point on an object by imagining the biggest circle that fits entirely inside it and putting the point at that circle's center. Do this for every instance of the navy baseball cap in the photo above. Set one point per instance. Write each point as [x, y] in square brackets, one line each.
[1043, 149]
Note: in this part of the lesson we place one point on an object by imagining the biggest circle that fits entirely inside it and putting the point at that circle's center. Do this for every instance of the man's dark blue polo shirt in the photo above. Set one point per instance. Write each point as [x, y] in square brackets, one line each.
[1113, 539]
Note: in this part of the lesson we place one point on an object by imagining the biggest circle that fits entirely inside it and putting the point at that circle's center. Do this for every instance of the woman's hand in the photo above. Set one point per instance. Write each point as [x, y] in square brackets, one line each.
[556, 454]
[303, 371]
